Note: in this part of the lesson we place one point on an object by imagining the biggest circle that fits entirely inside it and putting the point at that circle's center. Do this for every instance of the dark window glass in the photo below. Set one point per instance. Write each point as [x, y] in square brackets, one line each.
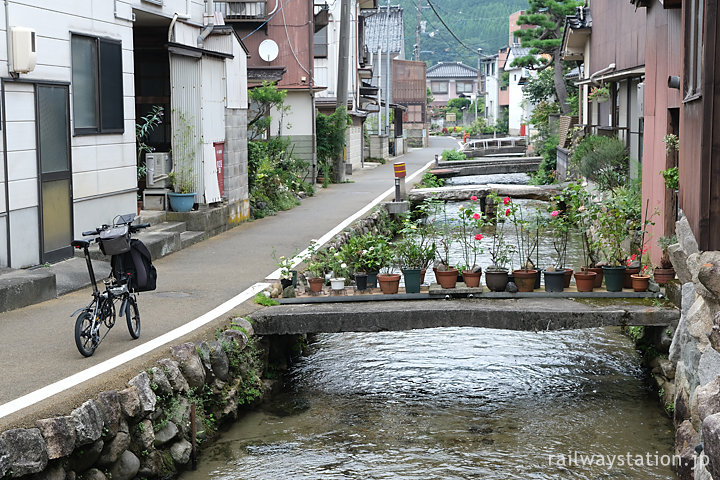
[97, 85]
[320, 43]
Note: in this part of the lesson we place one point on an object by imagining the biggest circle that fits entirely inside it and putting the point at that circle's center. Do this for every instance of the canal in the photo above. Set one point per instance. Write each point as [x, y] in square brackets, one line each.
[456, 404]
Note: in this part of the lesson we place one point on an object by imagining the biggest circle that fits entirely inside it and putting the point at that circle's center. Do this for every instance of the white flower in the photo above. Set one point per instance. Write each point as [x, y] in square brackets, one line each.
[343, 265]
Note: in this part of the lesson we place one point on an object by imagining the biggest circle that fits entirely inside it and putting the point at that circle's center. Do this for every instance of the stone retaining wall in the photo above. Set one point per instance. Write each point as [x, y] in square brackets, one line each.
[144, 430]
[691, 376]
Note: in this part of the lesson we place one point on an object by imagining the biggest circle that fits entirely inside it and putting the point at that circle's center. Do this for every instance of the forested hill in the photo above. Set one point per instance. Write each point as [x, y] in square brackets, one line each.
[478, 23]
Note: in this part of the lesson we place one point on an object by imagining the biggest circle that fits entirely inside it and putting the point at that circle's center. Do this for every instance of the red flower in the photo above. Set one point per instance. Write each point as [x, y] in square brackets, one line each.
[478, 237]
[633, 256]
[507, 212]
[476, 216]
[473, 198]
[555, 213]
[506, 200]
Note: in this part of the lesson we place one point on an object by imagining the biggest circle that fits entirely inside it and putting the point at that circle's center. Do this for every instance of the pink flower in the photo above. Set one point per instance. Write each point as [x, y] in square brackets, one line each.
[476, 216]
[506, 200]
[478, 237]
[473, 198]
[555, 213]
[507, 212]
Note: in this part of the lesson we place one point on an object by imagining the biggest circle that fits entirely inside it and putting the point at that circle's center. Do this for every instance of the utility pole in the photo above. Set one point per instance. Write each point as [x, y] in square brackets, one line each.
[387, 75]
[342, 81]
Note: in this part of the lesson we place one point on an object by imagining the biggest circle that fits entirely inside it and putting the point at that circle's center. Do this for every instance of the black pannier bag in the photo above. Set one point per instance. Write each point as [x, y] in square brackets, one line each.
[137, 265]
[115, 240]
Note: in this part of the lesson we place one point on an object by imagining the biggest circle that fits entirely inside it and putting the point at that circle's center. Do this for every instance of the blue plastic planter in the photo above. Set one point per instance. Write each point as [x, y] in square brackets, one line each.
[181, 202]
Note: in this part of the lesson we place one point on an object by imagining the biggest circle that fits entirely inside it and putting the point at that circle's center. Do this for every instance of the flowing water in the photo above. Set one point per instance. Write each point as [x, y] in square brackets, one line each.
[500, 178]
[447, 404]
[454, 404]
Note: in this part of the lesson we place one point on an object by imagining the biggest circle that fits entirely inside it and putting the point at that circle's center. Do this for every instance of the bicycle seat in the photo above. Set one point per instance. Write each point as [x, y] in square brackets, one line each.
[80, 243]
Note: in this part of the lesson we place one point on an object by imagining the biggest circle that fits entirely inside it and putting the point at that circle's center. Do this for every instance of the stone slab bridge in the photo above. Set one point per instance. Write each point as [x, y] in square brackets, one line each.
[486, 166]
[509, 314]
[461, 193]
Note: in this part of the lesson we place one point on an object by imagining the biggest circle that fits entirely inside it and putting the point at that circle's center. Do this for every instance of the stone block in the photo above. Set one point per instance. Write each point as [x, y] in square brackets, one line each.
[89, 422]
[130, 402]
[685, 236]
[126, 468]
[145, 392]
[59, 435]
[678, 257]
[190, 364]
[709, 272]
[711, 443]
[175, 377]
[699, 321]
[25, 451]
[110, 406]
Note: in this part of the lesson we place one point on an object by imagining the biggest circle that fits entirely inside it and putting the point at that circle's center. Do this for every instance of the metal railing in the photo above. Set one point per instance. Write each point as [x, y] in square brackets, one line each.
[242, 10]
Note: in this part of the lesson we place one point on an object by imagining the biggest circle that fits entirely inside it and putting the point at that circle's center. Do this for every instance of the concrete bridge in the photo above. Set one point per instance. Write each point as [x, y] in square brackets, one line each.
[486, 166]
[461, 193]
[494, 146]
[531, 314]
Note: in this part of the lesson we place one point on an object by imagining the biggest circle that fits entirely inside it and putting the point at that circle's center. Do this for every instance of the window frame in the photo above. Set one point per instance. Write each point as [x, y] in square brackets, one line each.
[100, 96]
[324, 45]
[434, 84]
[465, 85]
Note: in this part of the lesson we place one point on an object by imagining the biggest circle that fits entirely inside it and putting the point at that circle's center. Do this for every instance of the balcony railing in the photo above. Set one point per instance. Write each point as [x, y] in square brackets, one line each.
[247, 11]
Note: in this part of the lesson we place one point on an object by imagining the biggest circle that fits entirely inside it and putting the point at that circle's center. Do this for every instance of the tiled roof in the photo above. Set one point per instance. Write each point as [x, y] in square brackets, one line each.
[379, 28]
[581, 19]
[451, 70]
[519, 51]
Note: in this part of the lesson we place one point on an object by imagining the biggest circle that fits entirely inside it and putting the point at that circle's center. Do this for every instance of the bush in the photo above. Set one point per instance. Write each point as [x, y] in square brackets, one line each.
[606, 163]
[546, 170]
[431, 181]
[453, 155]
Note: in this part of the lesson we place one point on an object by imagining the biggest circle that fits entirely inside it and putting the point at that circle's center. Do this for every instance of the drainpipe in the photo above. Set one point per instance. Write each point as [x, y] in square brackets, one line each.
[600, 72]
[211, 23]
[272, 12]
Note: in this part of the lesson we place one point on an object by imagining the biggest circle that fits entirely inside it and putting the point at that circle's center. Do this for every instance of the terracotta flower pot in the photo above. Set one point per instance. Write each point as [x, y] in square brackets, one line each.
[316, 284]
[472, 279]
[447, 278]
[389, 282]
[663, 275]
[598, 275]
[567, 277]
[525, 280]
[640, 282]
[585, 281]
[496, 280]
[628, 280]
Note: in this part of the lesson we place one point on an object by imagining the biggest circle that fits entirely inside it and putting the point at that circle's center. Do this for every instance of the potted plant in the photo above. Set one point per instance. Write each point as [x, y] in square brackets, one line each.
[388, 280]
[142, 132]
[315, 271]
[526, 274]
[469, 237]
[366, 254]
[185, 142]
[496, 275]
[338, 268]
[665, 272]
[288, 275]
[421, 232]
[599, 94]
[410, 257]
[445, 237]
[612, 231]
[555, 274]
[640, 280]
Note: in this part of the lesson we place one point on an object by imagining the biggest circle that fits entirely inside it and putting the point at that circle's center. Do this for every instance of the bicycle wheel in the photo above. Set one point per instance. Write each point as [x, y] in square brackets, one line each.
[132, 315]
[84, 339]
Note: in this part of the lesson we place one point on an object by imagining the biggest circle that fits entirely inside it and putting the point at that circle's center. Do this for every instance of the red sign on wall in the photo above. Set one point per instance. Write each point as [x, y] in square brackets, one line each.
[219, 163]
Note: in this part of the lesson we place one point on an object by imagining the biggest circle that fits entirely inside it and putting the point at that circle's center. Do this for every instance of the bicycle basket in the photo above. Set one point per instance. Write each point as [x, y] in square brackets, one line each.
[115, 240]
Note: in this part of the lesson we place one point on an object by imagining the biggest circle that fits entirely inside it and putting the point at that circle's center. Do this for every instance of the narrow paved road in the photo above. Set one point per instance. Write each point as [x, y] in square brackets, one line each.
[38, 345]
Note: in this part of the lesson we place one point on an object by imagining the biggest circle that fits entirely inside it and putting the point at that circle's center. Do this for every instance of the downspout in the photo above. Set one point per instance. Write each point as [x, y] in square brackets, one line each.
[600, 72]
[5, 163]
[311, 31]
[211, 23]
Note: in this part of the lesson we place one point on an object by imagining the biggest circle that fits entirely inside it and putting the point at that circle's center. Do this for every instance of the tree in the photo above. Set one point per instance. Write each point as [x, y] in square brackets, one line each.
[548, 19]
[262, 100]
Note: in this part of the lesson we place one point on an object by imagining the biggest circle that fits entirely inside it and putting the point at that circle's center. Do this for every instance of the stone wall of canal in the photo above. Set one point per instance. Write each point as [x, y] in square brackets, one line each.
[145, 430]
[690, 377]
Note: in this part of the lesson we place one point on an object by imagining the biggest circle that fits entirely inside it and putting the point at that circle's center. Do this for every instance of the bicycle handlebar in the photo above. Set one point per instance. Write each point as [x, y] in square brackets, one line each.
[135, 228]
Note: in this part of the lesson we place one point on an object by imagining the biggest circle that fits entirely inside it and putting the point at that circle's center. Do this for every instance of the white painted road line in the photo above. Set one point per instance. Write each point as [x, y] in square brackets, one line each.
[104, 367]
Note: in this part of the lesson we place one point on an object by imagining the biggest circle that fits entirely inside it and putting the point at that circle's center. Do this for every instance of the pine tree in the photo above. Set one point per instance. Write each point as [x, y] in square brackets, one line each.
[548, 18]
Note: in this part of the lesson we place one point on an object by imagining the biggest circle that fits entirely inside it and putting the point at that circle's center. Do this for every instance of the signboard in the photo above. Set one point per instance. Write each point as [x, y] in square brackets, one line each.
[219, 156]
[450, 117]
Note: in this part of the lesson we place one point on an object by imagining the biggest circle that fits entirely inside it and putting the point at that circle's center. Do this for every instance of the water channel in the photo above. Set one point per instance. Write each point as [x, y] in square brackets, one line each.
[447, 404]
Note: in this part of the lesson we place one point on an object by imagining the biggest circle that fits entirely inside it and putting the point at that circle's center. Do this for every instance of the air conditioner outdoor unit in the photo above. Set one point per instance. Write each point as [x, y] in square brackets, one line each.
[159, 165]
[24, 52]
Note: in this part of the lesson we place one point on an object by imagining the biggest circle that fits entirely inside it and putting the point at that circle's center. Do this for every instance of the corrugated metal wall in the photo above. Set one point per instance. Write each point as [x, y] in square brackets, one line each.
[185, 78]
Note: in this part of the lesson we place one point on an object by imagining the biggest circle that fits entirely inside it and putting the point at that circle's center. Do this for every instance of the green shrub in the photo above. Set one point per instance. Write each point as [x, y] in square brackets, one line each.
[546, 170]
[607, 163]
[453, 155]
[431, 181]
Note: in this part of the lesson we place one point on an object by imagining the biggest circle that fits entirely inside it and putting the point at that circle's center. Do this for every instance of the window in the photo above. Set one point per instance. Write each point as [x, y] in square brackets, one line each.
[694, 25]
[439, 87]
[320, 43]
[414, 114]
[464, 87]
[97, 85]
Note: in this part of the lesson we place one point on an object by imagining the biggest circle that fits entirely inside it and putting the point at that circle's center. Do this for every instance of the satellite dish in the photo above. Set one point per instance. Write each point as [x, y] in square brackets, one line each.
[268, 50]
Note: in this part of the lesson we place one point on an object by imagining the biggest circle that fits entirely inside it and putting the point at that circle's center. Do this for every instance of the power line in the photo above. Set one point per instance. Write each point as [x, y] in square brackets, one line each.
[448, 28]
